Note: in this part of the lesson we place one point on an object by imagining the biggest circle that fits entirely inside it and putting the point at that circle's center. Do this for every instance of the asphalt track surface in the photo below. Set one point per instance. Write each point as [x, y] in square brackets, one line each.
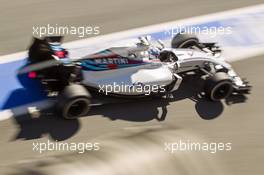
[240, 123]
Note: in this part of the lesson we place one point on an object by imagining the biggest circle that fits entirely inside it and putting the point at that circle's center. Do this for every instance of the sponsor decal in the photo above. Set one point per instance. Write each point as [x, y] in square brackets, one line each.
[111, 61]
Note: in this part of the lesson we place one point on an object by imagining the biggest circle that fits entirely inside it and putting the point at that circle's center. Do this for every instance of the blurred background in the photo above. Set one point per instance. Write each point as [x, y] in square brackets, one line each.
[18, 17]
[132, 134]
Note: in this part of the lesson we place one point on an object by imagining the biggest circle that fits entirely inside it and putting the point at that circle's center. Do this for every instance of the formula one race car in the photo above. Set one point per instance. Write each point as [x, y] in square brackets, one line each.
[143, 69]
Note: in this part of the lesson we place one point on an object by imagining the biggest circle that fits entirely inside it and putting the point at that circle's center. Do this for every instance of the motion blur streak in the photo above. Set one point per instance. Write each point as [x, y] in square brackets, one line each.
[140, 152]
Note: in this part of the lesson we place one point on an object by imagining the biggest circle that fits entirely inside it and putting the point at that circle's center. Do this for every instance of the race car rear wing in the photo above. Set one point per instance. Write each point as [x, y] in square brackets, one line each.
[41, 48]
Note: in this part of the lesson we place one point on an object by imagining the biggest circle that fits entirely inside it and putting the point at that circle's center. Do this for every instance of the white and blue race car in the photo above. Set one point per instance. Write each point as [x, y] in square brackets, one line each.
[142, 69]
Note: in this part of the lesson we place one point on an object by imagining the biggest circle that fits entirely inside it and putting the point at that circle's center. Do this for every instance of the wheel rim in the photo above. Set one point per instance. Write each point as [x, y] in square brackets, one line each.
[221, 90]
[76, 108]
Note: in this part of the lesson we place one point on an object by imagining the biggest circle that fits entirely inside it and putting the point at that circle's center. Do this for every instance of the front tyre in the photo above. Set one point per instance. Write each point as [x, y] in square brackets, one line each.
[184, 41]
[73, 102]
[218, 87]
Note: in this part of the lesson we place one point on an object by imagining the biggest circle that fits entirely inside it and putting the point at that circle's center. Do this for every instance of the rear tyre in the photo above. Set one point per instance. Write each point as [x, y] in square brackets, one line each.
[184, 41]
[218, 87]
[73, 102]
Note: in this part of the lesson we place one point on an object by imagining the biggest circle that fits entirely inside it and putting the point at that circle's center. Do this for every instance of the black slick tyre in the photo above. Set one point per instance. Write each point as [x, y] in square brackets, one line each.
[218, 87]
[73, 102]
[184, 41]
